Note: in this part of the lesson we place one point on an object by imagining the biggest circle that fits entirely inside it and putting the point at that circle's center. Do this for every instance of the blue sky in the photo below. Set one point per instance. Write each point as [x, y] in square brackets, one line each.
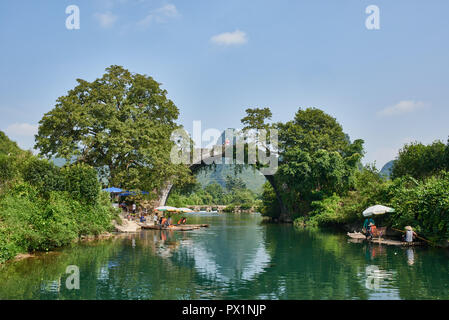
[216, 58]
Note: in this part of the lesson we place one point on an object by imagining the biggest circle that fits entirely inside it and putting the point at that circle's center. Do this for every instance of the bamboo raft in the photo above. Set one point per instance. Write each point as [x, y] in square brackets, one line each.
[184, 227]
[361, 237]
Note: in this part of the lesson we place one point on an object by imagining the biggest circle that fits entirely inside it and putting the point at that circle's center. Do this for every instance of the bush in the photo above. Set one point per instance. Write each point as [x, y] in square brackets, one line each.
[81, 182]
[229, 208]
[246, 206]
[44, 175]
[43, 206]
[369, 189]
[29, 222]
[8, 169]
[423, 205]
[270, 205]
[421, 161]
[327, 212]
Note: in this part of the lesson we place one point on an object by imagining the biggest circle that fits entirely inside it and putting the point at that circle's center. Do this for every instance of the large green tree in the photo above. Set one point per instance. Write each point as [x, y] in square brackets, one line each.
[421, 161]
[120, 124]
[316, 159]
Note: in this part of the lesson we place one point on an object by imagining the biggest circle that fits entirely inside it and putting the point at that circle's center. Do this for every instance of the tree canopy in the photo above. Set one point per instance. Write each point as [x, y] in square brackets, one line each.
[316, 158]
[420, 161]
[119, 124]
[256, 118]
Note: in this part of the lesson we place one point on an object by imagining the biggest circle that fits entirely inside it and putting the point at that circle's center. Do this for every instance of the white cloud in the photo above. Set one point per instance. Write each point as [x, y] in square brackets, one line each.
[230, 38]
[403, 107]
[21, 129]
[106, 20]
[23, 134]
[159, 15]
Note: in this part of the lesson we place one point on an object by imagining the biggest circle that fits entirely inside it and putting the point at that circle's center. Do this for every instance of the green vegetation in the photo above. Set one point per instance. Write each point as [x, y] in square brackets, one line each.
[234, 194]
[321, 182]
[422, 203]
[316, 160]
[254, 180]
[420, 161]
[44, 207]
[121, 125]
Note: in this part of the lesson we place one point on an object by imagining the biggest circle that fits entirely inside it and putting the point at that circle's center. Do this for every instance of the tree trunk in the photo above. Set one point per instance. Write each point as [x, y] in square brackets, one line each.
[164, 194]
[284, 215]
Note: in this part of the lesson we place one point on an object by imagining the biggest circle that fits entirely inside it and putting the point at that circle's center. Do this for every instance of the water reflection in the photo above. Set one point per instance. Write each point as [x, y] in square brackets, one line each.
[378, 283]
[410, 256]
[228, 253]
[236, 258]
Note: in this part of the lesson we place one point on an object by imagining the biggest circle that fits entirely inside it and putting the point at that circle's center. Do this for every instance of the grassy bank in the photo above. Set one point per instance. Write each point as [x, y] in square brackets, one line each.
[423, 204]
[43, 207]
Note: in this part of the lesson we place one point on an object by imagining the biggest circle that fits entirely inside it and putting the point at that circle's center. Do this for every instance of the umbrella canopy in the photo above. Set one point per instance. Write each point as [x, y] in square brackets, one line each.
[113, 190]
[185, 210]
[128, 193]
[131, 193]
[167, 208]
[377, 209]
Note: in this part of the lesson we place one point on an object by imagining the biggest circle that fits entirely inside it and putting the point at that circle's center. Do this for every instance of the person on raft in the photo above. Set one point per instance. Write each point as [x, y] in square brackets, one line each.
[182, 221]
[368, 227]
[409, 234]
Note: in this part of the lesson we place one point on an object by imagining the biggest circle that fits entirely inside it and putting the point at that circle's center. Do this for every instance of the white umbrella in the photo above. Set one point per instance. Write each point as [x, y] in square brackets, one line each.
[377, 209]
[185, 210]
[166, 208]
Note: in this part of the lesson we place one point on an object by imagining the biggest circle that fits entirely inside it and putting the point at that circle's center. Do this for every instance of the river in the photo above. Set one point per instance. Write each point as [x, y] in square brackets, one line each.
[237, 257]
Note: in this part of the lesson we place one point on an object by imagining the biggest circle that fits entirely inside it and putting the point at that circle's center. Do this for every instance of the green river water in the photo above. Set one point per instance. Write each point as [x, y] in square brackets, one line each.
[237, 257]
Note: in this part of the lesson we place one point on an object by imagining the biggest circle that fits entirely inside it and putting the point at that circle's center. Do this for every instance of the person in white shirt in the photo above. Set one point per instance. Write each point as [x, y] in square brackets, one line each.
[409, 234]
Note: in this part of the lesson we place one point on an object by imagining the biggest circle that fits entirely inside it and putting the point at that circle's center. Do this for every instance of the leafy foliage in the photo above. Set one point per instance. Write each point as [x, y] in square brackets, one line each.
[270, 204]
[81, 182]
[120, 124]
[43, 206]
[420, 161]
[316, 160]
[256, 118]
[423, 204]
[7, 146]
[235, 194]
[253, 179]
[44, 175]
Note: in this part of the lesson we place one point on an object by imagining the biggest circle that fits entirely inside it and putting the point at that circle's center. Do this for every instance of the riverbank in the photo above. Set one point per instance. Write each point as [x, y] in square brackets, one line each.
[88, 238]
[236, 258]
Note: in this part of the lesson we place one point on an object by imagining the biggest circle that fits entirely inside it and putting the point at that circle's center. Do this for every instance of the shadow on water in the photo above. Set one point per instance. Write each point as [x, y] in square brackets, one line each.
[238, 257]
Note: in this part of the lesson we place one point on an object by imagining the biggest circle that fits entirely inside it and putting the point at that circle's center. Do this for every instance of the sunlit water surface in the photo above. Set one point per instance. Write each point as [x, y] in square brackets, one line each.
[237, 257]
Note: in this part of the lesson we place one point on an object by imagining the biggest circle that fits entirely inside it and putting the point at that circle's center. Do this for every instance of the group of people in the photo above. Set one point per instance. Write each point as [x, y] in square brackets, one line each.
[166, 221]
[132, 211]
[157, 220]
[370, 230]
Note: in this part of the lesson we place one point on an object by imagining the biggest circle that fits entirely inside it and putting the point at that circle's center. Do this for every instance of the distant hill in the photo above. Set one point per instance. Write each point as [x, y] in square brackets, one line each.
[254, 179]
[387, 168]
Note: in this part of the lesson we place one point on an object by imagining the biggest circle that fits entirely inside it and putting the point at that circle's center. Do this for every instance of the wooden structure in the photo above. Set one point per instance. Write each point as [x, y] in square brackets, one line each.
[181, 227]
[361, 237]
